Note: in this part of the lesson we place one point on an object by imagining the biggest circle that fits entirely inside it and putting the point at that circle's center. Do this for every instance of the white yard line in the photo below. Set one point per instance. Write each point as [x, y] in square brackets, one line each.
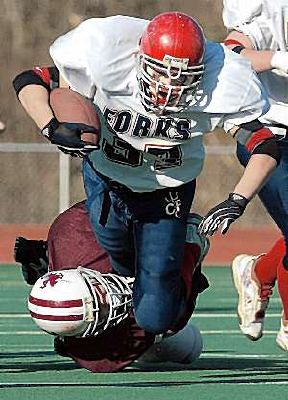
[227, 355]
[231, 332]
[228, 315]
[196, 315]
[20, 346]
[14, 316]
[22, 333]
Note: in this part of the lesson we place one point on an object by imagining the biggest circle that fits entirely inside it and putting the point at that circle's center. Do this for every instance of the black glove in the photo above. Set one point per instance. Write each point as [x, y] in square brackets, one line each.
[67, 137]
[33, 256]
[223, 214]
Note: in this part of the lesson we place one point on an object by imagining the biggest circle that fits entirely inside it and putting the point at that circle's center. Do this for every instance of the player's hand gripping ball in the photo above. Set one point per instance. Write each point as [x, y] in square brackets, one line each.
[75, 130]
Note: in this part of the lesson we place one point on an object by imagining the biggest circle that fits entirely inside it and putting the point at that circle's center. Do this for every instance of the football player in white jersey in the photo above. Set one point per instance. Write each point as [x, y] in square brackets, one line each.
[157, 86]
[258, 29]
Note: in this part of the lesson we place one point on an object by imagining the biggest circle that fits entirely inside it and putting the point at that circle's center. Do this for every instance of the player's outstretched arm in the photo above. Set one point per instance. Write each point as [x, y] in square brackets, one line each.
[265, 155]
[261, 60]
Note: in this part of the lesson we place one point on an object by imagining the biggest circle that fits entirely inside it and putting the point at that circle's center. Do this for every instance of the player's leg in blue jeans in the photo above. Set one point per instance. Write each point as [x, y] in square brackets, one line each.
[158, 291]
[274, 195]
[140, 223]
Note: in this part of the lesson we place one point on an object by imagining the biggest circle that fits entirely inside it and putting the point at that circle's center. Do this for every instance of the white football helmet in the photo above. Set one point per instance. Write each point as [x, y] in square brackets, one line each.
[79, 302]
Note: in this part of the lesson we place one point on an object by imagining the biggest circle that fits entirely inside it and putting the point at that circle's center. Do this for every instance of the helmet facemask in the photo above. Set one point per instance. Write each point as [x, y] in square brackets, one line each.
[112, 299]
[170, 62]
[80, 302]
[167, 86]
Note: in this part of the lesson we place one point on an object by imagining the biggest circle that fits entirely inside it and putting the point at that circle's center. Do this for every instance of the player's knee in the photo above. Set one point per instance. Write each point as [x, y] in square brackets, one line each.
[157, 300]
[155, 315]
[183, 347]
[155, 324]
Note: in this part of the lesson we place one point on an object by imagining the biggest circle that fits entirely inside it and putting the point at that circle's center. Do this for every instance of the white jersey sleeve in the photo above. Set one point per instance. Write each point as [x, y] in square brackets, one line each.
[88, 56]
[239, 12]
[69, 53]
[265, 22]
[253, 105]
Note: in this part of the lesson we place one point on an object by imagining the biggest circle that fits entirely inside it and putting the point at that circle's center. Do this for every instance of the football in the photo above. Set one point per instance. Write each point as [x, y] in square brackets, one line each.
[70, 106]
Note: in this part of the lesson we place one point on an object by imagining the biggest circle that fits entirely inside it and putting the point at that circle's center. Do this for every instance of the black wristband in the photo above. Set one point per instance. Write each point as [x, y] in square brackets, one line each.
[238, 199]
[50, 128]
[238, 49]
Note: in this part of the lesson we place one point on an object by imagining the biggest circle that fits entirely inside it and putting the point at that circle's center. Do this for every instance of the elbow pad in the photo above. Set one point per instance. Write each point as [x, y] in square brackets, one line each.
[269, 147]
[27, 78]
[48, 77]
[258, 139]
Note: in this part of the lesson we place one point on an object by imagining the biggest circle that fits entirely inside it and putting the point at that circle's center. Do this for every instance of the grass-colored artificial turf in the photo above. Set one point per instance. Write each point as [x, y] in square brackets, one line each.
[230, 367]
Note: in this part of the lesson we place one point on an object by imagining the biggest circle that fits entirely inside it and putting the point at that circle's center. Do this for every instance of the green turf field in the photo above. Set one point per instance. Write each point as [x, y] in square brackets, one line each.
[231, 367]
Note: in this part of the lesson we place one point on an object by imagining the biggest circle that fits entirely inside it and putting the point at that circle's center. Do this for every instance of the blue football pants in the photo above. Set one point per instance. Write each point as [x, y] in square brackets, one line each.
[143, 240]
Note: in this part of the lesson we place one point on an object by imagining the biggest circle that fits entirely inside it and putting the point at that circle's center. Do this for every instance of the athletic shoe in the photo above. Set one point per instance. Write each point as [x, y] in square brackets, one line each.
[282, 337]
[253, 299]
[32, 254]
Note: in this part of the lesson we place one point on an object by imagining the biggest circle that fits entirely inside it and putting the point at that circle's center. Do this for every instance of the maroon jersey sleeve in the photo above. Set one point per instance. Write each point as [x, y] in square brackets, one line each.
[71, 242]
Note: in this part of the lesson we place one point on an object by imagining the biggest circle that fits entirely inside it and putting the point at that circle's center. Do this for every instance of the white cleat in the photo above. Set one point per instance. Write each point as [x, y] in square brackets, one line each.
[251, 305]
[282, 337]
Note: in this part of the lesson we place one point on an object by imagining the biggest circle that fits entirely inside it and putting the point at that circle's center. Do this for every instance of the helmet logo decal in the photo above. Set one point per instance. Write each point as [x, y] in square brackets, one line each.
[52, 278]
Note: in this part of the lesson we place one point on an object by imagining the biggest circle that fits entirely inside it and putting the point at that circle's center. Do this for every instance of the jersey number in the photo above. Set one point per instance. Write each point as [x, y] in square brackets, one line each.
[123, 153]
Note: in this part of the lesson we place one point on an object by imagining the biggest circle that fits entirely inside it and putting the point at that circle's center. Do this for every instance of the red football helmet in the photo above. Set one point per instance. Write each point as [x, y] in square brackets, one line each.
[170, 62]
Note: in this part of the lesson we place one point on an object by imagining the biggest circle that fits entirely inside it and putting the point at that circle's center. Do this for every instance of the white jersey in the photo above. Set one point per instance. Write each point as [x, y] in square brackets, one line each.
[139, 149]
[265, 22]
